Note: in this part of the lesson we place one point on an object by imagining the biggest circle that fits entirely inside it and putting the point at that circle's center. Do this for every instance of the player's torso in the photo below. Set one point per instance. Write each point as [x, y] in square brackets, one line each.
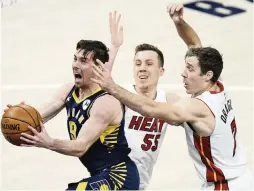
[145, 136]
[218, 156]
[110, 147]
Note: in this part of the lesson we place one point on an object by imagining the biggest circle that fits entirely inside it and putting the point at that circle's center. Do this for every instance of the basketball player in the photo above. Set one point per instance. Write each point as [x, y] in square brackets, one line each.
[207, 117]
[145, 134]
[95, 124]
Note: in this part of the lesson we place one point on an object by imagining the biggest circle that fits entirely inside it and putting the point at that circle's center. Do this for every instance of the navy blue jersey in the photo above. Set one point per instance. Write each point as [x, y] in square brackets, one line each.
[110, 148]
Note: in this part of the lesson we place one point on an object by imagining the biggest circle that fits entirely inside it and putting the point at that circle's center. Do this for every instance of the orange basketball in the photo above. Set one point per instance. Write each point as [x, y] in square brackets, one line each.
[16, 120]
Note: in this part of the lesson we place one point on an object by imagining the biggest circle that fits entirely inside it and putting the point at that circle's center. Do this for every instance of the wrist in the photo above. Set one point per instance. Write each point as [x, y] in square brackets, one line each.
[111, 88]
[180, 22]
[115, 47]
[51, 144]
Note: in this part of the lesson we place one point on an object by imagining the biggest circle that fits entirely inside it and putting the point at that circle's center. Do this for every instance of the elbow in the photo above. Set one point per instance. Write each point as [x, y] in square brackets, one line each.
[194, 45]
[79, 154]
[80, 150]
[148, 111]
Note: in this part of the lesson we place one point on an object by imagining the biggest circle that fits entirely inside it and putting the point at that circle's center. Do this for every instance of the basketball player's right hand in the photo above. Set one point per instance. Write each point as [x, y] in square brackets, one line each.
[175, 11]
[9, 106]
[115, 31]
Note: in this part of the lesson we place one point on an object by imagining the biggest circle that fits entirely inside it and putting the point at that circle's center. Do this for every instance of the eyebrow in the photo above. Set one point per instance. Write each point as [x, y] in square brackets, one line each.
[145, 60]
[83, 58]
[190, 65]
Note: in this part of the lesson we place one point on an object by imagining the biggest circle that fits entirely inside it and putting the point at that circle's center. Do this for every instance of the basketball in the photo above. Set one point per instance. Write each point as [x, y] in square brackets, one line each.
[16, 120]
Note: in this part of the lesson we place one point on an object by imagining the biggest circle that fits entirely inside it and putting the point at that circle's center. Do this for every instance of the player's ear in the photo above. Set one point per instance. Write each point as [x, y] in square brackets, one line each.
[209, 76]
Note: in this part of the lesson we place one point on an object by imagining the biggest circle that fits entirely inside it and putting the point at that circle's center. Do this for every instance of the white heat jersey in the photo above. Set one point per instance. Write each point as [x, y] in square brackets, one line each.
[217, 157]
[144, 136]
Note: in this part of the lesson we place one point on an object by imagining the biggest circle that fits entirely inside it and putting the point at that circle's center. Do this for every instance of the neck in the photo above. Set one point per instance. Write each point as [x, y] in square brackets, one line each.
[149, 92]
[209, 87]
[87, 90]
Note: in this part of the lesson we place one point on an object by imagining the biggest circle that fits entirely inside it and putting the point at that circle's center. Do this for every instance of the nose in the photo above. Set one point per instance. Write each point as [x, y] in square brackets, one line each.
[183, 74]
[75, 65]
[142, 68]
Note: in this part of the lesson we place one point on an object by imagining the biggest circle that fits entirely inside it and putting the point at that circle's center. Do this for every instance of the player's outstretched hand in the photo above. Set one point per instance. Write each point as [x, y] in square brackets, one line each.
[102, 76]
[39, 139]
[116, 31]
[9, 106]
[175, 11]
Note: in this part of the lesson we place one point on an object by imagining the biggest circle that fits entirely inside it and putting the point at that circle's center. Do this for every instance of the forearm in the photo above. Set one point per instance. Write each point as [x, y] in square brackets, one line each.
[189, 36]
[135, 102]
[112, 56]
[49, 110]
[68, 147]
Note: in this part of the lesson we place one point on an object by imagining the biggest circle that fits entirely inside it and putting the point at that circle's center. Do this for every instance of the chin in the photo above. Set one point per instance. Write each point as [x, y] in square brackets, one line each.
[188, 91]
[142, 86]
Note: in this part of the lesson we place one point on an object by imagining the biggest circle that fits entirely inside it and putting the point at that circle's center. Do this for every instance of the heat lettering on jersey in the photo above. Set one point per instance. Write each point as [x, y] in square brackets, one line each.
[148, 124]
[227, 108]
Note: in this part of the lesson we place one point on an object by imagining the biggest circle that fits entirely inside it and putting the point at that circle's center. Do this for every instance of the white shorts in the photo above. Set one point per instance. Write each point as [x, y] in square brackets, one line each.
[244, 182]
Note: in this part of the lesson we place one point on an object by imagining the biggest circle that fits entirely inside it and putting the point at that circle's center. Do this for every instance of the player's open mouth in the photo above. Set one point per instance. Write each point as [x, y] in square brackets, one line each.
[143, 77]
[78, 76]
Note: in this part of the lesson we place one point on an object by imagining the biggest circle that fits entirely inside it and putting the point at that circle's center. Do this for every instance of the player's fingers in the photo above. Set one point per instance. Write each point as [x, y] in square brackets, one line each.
[115, 15]
[111, 22]
[97, 73]
[9, 105]
[100, 63]
[118, 19]
[96, 81]
[33, 130]
[172, 11]
[27, 136]
[22, 102]
[179, 7]
[27, 140]
[169, 8]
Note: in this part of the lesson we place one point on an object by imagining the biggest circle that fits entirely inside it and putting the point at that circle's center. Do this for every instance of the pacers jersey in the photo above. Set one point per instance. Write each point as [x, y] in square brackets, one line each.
[218, 157]
[145, 136]
[110, 148]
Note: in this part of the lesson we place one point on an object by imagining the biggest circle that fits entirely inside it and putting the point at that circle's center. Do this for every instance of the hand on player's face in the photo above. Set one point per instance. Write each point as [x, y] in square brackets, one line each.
[176, 12]
[102, 76]
[9, 106]
[39, 139]
[115, 31]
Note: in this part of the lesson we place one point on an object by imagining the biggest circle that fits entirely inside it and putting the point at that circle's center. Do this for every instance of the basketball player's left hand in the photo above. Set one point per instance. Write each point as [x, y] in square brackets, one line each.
[102, 76]
[39, 139]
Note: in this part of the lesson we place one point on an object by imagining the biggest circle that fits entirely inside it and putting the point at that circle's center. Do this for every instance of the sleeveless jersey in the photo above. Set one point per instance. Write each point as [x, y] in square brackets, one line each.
[218, 157]
[145, 136]
[110, 148]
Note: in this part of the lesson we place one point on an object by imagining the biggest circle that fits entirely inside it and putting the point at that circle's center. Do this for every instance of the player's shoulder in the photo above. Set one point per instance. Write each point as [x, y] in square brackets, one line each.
[107, 102]
[63, 91]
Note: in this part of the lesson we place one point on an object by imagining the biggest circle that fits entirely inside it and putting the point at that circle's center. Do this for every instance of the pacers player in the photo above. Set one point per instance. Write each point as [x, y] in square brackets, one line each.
[95, 125]
[207, 117]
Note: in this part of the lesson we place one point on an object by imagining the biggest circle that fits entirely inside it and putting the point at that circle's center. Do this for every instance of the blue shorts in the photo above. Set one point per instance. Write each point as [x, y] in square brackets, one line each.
[121, 176]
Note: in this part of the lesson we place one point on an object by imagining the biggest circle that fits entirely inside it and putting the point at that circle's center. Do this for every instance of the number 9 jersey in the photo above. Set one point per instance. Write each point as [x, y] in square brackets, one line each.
[145, 136]
[110, 148]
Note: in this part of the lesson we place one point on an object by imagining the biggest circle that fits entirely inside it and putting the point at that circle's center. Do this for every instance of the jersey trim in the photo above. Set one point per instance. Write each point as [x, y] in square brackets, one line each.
[203, 146]
[220, 86]
[77, 100]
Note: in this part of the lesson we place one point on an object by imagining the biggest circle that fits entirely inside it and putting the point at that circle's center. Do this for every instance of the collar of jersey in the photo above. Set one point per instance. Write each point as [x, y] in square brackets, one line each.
[80, 100]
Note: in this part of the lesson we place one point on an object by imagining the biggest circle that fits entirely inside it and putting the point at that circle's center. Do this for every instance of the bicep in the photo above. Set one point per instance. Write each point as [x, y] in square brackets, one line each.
[102, 114]
[177, 112]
